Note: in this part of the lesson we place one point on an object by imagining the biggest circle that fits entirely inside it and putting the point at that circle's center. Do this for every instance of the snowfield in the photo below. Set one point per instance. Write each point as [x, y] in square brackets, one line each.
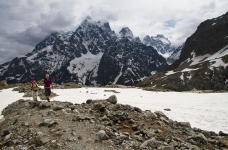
[207, 111]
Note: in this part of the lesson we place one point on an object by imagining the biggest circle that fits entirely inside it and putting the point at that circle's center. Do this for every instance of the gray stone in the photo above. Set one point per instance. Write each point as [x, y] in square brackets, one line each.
[138, 109]
[52, 113]
[122, 136]
[112, 99]
[7, 137]
[89, 101]
[73, 133]
[166, 148]
[183, 124]
[49, 122]
[160, 114]
[34, 104]
[152, 143]
[80, 137]
[10, 148]
[57, 107]
[20, 147]
[174, 143]
[58, 133]
[81, 118]
[25, 124]
[167, 109]
[194, 147]
[42, 139]
[149, 114]
[101, 135]
[43, 105]
[22, 111]
[222, 133]
[200, 138]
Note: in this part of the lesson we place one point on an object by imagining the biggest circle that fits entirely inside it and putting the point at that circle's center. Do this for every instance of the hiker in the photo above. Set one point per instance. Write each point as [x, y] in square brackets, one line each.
[47, 87]
[34, 88]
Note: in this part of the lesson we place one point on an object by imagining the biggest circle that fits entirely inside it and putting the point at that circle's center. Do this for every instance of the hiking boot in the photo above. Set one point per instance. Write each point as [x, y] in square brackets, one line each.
[48, 99]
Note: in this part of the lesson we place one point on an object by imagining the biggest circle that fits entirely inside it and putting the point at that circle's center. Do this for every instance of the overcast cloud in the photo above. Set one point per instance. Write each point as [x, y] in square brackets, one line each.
[25, 23]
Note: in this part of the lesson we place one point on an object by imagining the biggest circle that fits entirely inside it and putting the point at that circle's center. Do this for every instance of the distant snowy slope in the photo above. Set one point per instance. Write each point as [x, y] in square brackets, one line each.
[160, 43]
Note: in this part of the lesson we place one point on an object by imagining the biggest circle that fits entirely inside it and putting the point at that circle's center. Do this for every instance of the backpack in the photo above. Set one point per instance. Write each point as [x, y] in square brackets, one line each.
[34, 87]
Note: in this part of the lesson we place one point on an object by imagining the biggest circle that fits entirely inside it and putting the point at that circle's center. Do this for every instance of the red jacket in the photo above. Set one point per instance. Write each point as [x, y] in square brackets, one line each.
[47, 82]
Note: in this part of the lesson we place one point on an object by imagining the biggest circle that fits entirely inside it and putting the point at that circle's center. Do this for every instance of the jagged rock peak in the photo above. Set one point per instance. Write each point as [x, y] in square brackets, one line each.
[89, 20]
[137, 40]
[126, 33]
[161, 38]
[147, 40]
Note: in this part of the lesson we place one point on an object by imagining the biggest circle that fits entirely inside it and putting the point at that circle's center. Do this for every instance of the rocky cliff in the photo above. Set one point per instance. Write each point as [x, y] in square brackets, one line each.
[203, 61]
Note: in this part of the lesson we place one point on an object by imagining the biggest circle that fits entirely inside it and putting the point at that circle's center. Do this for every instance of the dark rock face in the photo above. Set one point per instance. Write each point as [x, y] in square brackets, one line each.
[175, 55]
[121, 63]
[91, 55]
[209, 40]
[210, 37]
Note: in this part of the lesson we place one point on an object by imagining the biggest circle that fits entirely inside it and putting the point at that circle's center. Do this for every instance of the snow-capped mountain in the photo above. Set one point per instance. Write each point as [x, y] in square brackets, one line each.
[160, 43]
[93, 54]
[203, 62]
[175, 55]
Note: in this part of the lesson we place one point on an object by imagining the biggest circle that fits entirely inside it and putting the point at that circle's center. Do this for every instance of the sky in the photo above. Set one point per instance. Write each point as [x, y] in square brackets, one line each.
[25, 23]
[207, 111]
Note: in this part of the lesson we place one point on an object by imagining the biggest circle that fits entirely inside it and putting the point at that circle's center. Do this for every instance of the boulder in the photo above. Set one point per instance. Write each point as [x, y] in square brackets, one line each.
[223, 142]
[42, 139]
[138, 109]
[3, 83]
[57, 107]
[101, 135]
[160, 114]
[149, 114]
[222, 133]
[112, 99]
[152, 143]
[44, 105]
[200, 138]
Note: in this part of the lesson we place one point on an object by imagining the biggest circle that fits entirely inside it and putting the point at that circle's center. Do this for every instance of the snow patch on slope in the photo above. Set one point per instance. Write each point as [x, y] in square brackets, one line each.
[184, 70]
[84, 64]
[120, 74]
[216, 57]
[32, 57]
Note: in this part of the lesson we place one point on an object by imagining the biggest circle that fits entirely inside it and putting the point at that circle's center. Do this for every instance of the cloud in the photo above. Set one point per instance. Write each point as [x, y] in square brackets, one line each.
[25, 23]
[9, 50]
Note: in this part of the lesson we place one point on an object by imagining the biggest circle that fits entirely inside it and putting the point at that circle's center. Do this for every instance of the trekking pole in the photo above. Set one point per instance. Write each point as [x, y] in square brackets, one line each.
[53, 91]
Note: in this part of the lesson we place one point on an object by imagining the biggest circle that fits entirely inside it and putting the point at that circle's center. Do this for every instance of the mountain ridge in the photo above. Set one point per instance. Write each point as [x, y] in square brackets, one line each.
[203, 61]
[65, 57]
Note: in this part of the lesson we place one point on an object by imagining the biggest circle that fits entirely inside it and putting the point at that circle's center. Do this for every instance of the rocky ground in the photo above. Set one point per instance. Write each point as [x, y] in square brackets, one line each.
[97, 124]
